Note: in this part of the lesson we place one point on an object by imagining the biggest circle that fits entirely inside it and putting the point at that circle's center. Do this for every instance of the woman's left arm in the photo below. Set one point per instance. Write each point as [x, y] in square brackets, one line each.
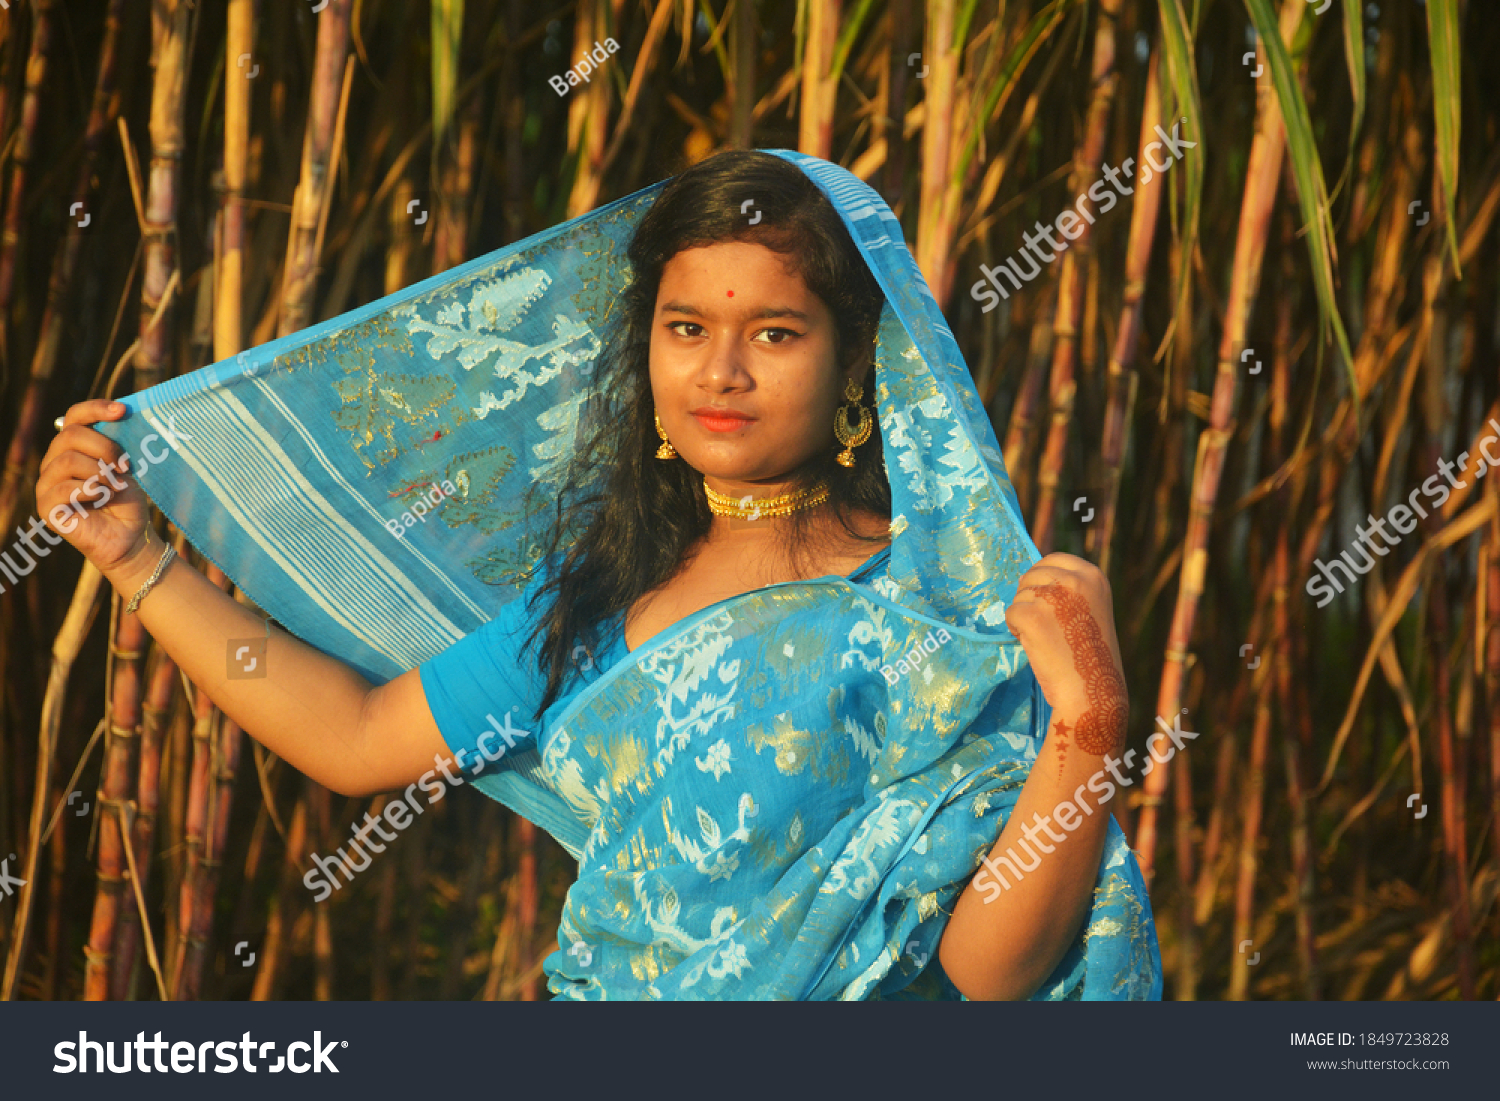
[1014, 921]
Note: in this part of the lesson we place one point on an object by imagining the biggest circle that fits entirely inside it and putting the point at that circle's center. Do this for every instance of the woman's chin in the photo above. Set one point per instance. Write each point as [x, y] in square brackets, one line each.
[730, 464]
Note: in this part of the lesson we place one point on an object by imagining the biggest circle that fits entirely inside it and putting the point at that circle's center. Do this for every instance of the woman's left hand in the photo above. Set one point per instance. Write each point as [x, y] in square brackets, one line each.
[1063, 616]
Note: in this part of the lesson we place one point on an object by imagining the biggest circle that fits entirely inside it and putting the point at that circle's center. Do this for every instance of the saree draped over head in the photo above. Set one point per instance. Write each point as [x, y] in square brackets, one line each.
[778, 797]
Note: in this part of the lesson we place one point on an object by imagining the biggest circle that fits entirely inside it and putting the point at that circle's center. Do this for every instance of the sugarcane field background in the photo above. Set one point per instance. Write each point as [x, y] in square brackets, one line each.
[1227, 376]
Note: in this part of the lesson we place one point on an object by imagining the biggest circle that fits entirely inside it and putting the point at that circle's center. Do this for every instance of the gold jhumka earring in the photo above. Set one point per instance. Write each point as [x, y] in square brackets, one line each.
[852, 438]
[666, 450]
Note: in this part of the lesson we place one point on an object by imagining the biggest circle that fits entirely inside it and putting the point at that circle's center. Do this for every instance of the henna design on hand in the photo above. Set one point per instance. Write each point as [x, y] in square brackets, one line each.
[1101, 728]
[1062, 744]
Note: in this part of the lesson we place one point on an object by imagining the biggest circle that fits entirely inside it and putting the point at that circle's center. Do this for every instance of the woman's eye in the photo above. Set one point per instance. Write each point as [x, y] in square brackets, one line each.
[678, 327]
[777, 336]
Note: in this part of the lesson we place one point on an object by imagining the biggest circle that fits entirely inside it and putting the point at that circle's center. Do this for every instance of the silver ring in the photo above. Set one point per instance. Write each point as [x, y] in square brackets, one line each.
[57, 424]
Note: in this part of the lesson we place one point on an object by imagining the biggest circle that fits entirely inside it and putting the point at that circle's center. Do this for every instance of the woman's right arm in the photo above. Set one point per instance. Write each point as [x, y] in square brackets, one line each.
[313, 711]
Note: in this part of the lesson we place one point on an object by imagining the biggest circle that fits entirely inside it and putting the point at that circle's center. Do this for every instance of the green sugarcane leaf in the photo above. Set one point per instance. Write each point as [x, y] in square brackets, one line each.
[716, 30]
[853, 23]
[1182, 77]
[1442, 35]
[799, 41]
[447, 30]
[965, 20]
[1312, 190]
[1354, 55]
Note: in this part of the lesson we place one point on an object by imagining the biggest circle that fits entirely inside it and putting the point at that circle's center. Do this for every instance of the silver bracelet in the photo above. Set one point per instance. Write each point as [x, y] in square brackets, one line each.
[135, 601]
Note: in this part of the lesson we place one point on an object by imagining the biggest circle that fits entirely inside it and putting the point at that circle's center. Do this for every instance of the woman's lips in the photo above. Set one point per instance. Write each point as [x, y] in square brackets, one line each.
[722, 422]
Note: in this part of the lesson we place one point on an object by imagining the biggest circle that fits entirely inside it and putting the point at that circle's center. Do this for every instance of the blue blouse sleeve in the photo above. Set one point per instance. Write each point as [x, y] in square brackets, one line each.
[483, 691]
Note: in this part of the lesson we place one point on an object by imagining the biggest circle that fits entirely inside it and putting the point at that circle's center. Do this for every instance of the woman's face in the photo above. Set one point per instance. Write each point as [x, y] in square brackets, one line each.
[744, 370]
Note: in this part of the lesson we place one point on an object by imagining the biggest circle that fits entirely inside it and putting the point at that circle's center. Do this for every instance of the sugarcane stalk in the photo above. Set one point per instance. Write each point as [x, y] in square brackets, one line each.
[121, 758]
[1186, 985]
[230, 274]
[515, 123]
[1295, 733]
[461, 916]
[398, 257]
[19, 457]
[588, 114]
[1122, 376]
[1263, 177]
[1193, 901]
[161, 684]
[385, 912]
[180, 982]
[505, 950]
[153, 356]
[1062, 386]
[174, 839]
[272, 949]
[819, 84]
[1254, 800]
[31, 110]
[742, 89]
[891, 128]
[226, 762]
[1209, 864]
[1492, 666]
[319, 832]
[1455, 849]
[65, 647]
[314, 187]
[136, 878]
[257, 851]
[194, 896]
[56, 907]
[1023, 414]
[9, 48]
[414, 872]
[270, 954]
[1167, 489]
[940, 60]
[452, 243]
[527, 905]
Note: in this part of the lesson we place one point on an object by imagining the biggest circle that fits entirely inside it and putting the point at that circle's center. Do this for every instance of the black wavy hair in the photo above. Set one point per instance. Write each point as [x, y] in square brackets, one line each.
[621, 535]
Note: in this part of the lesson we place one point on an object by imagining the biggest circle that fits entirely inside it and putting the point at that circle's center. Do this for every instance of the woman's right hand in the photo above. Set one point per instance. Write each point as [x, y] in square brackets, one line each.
[105, 514]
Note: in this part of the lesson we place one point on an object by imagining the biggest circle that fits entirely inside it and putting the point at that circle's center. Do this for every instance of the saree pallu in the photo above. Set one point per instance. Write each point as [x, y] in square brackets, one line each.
[757, 810]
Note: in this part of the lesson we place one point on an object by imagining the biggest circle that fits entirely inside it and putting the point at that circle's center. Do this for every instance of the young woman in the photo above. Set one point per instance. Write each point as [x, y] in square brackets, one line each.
[783, 699]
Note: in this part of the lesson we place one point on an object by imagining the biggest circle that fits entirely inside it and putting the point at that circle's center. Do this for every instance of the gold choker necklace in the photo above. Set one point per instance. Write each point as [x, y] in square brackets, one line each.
[764, 508]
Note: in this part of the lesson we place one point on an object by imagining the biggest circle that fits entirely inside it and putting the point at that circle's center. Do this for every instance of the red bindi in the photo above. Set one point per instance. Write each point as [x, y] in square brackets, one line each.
[729, 294]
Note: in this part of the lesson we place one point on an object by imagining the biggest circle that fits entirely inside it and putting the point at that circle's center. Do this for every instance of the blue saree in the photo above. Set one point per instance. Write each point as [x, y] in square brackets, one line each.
[757, 810]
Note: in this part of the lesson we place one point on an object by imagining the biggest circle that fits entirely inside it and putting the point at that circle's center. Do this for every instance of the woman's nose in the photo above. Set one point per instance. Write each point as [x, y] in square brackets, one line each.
[724, 364]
